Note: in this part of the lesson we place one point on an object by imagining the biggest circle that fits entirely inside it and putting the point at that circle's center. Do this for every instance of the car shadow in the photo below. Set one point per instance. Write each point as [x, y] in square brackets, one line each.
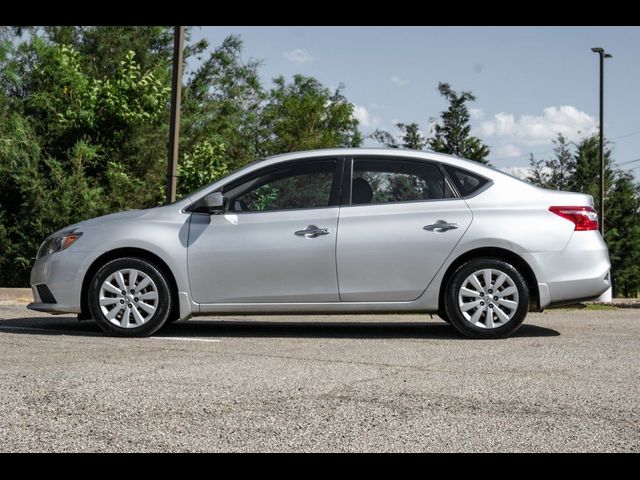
[262, 329]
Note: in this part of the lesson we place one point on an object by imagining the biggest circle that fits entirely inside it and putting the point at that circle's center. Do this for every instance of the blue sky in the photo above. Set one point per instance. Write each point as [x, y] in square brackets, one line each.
[530, 82]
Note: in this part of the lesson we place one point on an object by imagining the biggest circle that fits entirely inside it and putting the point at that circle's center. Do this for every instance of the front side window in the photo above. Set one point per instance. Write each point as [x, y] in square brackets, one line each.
[386, 181]
[305, 185]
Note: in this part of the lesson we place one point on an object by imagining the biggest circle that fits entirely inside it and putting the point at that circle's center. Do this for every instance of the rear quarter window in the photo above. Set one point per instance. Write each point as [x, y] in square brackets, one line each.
[465, 181]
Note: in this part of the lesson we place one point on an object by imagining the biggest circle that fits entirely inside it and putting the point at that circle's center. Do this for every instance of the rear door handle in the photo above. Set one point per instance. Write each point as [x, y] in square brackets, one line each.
[311, 231]
[440, 226]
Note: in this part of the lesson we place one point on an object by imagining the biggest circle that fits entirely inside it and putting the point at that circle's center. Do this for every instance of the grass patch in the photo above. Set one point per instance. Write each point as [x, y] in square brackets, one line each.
[586, 306]
[599, 306]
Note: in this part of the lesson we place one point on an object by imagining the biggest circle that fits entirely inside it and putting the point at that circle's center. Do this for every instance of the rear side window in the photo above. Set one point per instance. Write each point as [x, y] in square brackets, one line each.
[466, 181]
[387, 181]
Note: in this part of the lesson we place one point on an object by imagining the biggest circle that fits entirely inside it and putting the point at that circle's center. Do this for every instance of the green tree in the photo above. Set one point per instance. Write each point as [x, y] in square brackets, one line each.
[556, 173]
[385, 138]
[622, 233]
[224, 98]
[305, 115]
[410, 137]
[39, 194]
[562, 166]
[452, 131]
[586, 176]
[73, 145]
[537, 175]
[205, 164]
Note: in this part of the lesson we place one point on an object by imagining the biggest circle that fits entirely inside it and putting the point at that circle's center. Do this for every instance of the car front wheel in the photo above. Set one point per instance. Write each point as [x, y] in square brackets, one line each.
[130, 297]
[486, 298]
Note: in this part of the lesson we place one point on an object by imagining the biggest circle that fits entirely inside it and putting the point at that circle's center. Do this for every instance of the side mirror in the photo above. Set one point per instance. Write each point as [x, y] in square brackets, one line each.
[214, 201]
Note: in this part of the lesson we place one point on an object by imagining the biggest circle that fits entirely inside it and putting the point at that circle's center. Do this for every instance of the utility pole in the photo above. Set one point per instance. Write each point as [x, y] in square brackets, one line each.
[174, 127]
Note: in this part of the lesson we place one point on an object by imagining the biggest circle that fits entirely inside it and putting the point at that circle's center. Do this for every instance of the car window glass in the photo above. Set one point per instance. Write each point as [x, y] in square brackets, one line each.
[466, 182]
[385, 181]
[299, 186]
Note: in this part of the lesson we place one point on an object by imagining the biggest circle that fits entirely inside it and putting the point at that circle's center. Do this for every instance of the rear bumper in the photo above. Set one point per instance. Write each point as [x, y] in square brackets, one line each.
[565, 293]
[579, 290]
[578, 272]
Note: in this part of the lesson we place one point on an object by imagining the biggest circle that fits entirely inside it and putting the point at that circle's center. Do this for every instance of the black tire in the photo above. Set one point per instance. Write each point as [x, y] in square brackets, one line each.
[164, 302]
[443, 316]
[455, 315]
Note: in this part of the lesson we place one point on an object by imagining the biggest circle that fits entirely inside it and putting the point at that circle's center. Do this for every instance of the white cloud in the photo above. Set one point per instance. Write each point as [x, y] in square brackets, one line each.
[298, 55]
[401, 82]
[521, 171]
[507, 150]
[476, 113]
[532, 130]
[364, 117]
[517, 171]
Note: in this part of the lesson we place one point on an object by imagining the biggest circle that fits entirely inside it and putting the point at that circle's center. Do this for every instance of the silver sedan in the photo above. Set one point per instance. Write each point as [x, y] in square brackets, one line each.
[333, 231]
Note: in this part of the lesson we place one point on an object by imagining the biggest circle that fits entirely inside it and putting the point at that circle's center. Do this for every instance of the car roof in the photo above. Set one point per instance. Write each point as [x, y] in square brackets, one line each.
[387, 152]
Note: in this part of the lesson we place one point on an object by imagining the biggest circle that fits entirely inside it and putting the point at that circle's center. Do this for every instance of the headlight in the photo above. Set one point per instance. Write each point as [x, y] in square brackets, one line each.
[57, 242]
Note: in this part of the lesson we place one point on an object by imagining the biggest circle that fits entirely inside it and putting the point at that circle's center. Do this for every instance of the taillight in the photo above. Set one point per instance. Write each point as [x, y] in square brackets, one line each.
[584, 218]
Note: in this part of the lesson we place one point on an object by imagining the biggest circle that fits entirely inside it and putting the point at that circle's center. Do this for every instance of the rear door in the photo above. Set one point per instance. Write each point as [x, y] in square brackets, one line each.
[400, 222]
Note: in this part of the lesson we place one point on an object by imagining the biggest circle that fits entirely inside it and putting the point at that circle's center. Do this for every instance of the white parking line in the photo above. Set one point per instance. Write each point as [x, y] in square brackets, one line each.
[62, 332]
[186, 339]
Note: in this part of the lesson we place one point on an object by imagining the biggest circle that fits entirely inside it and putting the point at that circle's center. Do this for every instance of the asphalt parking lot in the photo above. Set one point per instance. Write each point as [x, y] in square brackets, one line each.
[568, 381]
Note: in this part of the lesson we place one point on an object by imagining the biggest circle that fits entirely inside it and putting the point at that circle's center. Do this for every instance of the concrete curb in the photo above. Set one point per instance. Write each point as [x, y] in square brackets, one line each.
[634, 304]
[17, 295]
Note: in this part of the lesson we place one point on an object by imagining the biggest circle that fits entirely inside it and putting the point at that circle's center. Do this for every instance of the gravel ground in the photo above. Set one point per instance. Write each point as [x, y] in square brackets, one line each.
[568, 381]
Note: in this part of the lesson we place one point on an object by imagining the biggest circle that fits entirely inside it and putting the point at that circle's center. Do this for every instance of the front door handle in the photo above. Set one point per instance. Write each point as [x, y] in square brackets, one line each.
[311, 231]
[440, 226]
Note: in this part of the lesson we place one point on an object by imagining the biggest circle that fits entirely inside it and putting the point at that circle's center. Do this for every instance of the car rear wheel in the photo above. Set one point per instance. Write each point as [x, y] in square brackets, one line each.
[130, 297]
[486, 298]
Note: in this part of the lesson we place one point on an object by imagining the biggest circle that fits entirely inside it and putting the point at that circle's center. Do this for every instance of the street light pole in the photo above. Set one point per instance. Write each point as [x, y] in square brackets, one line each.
[174, 127]
[603, 55]
[606, 296]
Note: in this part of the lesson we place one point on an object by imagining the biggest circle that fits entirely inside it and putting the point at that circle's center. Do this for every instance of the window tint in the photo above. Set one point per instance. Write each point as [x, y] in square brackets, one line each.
[384, 181]
[465, 181]
[299, 186]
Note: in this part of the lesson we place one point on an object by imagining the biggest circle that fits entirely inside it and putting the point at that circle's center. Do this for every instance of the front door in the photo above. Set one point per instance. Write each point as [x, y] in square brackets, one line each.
[402, 223]
[276, 241]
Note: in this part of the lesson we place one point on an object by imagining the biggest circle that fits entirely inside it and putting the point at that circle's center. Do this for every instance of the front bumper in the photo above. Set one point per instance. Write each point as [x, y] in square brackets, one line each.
[55, 308]
[63, 273]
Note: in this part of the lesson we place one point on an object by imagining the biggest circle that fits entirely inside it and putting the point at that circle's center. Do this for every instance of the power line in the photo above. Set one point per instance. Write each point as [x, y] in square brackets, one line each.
[627, 135]
[630, 161]
[548, 151]
[523, 155]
